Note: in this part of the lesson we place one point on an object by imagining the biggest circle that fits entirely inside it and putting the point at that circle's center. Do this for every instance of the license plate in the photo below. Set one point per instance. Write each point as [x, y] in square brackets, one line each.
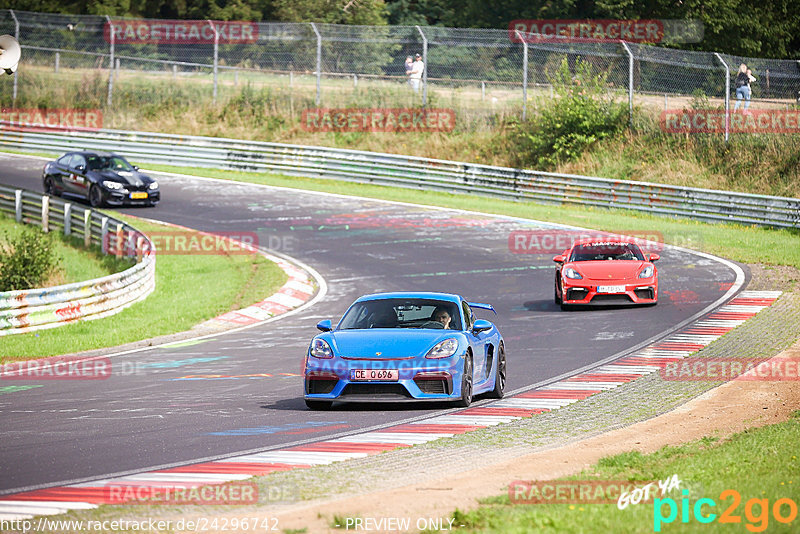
[611, 289]
[138, 196]
[380, 375]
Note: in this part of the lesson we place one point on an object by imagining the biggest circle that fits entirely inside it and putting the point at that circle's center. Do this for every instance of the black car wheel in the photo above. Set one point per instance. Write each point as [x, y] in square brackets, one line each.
[466, 383]
[556, 296]
[318, 405]
[95, 197]
[50, 187]
[500, 376]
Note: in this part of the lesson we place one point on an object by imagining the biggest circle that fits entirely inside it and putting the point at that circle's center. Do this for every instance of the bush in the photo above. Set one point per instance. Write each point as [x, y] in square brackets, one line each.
[27, 260]
[582, 114]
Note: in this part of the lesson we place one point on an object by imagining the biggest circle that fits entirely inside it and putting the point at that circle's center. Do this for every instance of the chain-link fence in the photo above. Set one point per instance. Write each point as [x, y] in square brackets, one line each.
[138, 67]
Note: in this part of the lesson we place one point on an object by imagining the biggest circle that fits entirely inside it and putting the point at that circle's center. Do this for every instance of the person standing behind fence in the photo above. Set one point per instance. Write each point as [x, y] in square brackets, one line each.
[742, 87]
[416, 73]
[408, 66]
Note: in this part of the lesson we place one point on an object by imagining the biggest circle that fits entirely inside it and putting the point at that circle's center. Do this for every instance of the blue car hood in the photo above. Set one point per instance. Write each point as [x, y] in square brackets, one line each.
[391, 343]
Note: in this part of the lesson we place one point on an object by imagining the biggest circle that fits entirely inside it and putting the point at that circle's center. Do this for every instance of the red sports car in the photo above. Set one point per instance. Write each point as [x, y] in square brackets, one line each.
[610, 271]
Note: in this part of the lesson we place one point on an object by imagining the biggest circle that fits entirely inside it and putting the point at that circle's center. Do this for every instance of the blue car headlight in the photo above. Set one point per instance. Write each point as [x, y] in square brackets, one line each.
[569, 272]
[647, 272]
[443, 349]
[320, 349]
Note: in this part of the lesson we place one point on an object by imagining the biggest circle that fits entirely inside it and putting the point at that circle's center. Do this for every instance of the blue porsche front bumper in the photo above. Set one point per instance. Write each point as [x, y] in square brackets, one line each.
[417, 380]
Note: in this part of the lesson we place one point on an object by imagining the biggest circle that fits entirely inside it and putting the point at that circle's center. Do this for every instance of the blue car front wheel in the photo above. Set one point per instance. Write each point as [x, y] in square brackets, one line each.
[500, 375]
[466, 383]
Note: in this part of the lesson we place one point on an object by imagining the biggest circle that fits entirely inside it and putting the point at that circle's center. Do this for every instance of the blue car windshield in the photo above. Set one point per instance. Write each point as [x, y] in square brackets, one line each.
[402, 313]
[601, 251]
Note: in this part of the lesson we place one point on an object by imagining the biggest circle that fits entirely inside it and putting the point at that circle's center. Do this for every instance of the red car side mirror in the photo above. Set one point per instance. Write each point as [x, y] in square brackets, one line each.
[559, 259]
[654, 257]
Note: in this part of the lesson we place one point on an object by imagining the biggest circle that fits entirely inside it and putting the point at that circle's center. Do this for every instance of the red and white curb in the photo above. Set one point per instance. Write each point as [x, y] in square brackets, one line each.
[680, 345]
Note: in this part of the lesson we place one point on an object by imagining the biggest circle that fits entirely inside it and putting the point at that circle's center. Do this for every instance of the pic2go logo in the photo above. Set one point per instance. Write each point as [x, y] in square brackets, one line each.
[757, 521]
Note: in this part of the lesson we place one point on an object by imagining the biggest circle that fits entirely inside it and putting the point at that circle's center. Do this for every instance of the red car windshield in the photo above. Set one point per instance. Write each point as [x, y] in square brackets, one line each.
[606, 251]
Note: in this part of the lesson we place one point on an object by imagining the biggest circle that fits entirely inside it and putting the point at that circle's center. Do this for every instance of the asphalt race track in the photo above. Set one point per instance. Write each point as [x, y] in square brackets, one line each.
[149, 414]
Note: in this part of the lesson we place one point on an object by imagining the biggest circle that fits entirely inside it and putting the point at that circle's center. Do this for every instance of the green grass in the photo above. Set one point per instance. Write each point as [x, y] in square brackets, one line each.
[189, 290]
[75, 264]
[747, 244]
[757, 463]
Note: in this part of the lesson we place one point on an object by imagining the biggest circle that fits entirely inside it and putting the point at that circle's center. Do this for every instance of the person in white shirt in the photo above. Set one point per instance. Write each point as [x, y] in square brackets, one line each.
[416, 73]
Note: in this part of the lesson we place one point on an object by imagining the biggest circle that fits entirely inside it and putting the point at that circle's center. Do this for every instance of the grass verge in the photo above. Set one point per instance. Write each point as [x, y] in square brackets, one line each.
[75, 262]
[189, 289]
[760, 465]
[747, 244]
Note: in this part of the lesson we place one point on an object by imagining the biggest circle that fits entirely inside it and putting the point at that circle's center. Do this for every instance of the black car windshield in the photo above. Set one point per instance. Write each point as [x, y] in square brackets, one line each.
[606, 251]
[402, 313]
[113, 163]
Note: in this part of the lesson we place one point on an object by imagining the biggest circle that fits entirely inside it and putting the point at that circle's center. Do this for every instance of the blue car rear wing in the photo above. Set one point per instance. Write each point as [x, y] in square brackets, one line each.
[481, 306]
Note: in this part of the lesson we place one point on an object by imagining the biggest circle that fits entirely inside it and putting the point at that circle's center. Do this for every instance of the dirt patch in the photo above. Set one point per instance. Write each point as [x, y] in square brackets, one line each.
[723, 411]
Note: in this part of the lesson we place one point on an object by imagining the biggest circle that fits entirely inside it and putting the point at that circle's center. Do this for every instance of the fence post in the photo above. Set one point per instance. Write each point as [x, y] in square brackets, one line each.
[319, 60]
[68, 218]
[727, 96]
[18, 205]
[216, 58]
[45, 213]
[16, 36]
[630, 82]
[58, 60]
[524, 74]
[110, 61]
[425, 68]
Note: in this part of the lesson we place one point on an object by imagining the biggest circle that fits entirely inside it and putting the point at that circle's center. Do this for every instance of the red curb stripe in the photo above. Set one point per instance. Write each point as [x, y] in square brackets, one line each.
[713, 331]
[731, 316]
[604, 377]
[234, 468]
[648, 361]
[743, 301]
[433, 429]
[678, 345]
[515, 412]
[558, 394]
[340, 446]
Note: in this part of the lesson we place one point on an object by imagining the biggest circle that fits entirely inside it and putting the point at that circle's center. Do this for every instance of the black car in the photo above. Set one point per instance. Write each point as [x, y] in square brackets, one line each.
[101, 178]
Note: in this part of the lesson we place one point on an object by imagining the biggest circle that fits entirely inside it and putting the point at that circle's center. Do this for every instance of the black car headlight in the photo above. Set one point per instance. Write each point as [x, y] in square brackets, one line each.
[115, 186]
[153, 185]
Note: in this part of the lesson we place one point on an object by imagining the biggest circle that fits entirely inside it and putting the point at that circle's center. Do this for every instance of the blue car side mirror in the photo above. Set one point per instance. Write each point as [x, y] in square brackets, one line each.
[481, 325]
[325, 325]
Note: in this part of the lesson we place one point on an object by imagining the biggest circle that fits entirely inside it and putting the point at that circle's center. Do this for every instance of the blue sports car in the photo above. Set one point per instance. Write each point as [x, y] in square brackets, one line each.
[392, 347]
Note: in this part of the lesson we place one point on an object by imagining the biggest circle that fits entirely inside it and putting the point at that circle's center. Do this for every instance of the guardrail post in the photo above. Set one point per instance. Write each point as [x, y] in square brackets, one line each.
[110, 61]
[727, 96]
[630, 82]
[216, 58]
[87, 228]
[18, 205]
[45, 213]
[319, 60]
[120, 237]
[524, 74]
[67, 218]
[425, 68]
[104, 235]
[16, 36]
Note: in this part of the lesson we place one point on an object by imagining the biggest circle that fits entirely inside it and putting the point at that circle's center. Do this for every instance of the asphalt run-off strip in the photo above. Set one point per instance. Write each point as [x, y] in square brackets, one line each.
[650, 359]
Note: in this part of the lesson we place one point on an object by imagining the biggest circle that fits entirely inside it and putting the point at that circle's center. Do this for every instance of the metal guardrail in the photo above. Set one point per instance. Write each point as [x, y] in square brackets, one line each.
[418, 173]
[36, 309]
